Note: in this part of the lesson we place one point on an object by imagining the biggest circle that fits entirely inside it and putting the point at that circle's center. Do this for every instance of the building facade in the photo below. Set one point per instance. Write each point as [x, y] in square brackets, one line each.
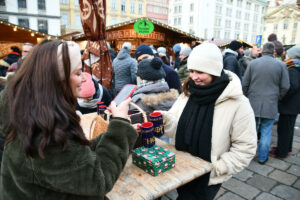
[284, 21]
[158, 10]
[219, 19]
[118, 11]
[39, 15]
[70, 16]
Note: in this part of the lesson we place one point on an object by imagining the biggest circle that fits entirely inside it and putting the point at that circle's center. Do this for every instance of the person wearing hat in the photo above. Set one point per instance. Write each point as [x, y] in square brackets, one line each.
[213, 120]
[265, 82]
[177, 49]
[145, 52]
[162, 52]
[153, 92]
[231, 55]
[46, 154]
[288, 107]
[91, 93]
[124, 68]
[183, 71]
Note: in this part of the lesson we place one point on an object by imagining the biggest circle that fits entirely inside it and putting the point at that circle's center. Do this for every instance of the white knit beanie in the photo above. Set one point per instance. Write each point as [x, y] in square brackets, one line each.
[207, 58]
[75, 58]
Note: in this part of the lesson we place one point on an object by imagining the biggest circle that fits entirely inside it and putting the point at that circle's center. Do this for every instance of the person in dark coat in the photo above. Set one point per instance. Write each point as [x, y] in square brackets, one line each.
[11, 58]
[278, 46]
[112, 52]
[46, 154]
[145, 52]
[265, 82]
[289, 106]
[91, 93]
[230, 58]
[124, 67]
[183, 71]
[177, 49]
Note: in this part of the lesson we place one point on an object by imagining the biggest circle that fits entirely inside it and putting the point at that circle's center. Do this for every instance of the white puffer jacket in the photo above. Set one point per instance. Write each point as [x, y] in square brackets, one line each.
[234, 138]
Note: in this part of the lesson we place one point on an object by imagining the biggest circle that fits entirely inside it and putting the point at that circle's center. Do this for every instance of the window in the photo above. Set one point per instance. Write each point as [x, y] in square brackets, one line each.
[295, 25]
[275, 26]
[246, 27]
[237, 25]
[113, 4]
[219, 9]
[256, 8]
[285, 24]
[78, 20]
[229, 2]
[226, 35]
[227, 23]
[149, 9]
[239, 3]
[247, 16]
[23, 22]
[64, 1]
[41, 5]
[76, 3]
[237, 35]
[43, 26]
[140, 9]
[228, 12]
[191, 19]
[179, 9]
[64, 19]
[217, 34]
[263, 10]
[156, 10]
[175, 9]
[255, 17]
[22, 4]
[179, 20]
[4, 18]
[248, 5]
[132, 7]
[218, 21]
[245, 37]
[175, 21]
[113, 20]
[2, 2]
[238, 14]
[191, 7]
[123, 4]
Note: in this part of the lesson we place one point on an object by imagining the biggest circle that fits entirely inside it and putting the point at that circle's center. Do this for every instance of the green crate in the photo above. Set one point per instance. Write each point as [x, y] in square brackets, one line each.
[154, 160]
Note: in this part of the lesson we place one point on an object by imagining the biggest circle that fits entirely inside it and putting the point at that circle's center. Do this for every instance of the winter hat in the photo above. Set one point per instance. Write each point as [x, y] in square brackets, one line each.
[127, 45]
[74, 55]
[87, 87]
[206, 57]
[235, 45]
[176, 48]
[294, 52]
[143, 49]
[151, 69]
[186, 51]
[162, 51]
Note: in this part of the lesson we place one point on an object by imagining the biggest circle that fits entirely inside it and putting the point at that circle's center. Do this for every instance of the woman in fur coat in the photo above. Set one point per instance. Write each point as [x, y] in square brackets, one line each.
[213, 120]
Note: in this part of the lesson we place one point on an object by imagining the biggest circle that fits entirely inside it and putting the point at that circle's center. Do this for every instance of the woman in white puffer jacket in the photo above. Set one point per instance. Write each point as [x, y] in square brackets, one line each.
[213, 120]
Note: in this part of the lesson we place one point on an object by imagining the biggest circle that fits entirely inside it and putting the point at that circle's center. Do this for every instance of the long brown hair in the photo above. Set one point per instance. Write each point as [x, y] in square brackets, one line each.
[41, 105]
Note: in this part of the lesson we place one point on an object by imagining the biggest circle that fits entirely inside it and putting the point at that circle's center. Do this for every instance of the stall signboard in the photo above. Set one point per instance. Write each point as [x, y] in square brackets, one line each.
[143, 27]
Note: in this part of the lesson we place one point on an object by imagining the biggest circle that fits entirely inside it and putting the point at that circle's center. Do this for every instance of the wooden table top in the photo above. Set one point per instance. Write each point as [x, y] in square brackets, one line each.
[135, 184]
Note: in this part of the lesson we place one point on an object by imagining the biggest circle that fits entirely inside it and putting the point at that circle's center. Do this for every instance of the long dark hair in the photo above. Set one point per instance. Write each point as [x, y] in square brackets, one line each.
[41, 105]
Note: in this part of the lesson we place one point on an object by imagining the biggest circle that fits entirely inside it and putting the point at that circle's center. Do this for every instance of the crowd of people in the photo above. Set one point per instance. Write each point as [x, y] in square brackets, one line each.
[219, 106]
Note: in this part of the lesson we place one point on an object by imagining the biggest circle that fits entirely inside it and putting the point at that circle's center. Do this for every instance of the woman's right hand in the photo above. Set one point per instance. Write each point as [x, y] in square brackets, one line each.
[121, 110]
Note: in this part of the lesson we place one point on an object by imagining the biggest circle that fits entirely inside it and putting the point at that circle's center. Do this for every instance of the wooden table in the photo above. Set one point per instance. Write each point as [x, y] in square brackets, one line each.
[135, 184]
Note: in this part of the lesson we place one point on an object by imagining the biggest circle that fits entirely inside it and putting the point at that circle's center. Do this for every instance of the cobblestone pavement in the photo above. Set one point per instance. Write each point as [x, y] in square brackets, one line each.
[276, 179]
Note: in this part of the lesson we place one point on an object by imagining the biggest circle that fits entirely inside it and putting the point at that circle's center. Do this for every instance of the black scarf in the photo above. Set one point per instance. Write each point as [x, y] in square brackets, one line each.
[195, 124]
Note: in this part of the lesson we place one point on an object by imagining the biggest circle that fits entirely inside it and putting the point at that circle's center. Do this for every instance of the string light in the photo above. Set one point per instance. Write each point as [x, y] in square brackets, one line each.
[32, 34]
